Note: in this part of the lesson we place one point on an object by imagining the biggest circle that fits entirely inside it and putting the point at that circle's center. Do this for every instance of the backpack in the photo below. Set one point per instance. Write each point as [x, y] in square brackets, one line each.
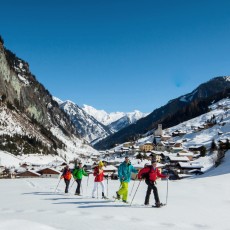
[96, 171]
[146, 175]
[67, 175]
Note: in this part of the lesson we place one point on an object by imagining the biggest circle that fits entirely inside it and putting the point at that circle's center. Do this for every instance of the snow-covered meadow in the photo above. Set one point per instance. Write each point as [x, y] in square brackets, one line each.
[196, 203]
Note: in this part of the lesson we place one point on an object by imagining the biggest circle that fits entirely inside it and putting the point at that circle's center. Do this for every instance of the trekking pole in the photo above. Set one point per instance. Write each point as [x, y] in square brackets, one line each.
[133, 186]
[167, 192]
[97, 190]
[135, 193]
[82, 189]
[108, 185]
[57, 185]
[71, 185]
[87, 184]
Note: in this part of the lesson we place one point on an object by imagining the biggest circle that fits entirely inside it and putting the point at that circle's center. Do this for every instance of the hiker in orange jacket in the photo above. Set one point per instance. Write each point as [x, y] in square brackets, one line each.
[67, 177]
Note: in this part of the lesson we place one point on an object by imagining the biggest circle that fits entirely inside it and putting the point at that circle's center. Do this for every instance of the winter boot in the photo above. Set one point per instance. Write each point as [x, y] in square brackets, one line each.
[103, 196]
[118, 196]
[158, 204]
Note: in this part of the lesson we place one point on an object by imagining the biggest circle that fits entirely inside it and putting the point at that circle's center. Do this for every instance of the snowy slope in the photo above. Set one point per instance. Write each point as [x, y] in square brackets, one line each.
[220, 111]
[10, 125]
[198, 203]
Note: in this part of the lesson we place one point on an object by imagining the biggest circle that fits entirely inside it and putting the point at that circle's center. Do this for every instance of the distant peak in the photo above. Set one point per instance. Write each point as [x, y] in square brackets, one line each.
[227, 78]
[69, 102]
[59, 101]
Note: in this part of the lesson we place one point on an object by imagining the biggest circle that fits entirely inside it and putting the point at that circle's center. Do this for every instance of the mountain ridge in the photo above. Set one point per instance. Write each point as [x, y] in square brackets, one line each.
[175, 111]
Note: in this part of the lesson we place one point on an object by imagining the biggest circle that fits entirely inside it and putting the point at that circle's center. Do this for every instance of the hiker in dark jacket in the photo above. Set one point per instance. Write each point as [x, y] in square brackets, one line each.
[151, 173]
[67, 177]
[78, 173]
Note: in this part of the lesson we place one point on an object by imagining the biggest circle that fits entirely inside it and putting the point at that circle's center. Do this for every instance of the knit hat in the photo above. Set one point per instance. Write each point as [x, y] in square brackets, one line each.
[100, 164]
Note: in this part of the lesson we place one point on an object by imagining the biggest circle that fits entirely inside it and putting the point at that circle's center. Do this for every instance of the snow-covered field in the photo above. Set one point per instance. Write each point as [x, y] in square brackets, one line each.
[202, 202]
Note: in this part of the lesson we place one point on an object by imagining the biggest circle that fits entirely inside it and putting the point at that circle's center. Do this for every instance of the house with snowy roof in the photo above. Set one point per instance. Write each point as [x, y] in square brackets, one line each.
[196, 148]
[224, 143]
[2, 169]
[165, 137]
[174, 160]
[28, 174]
[49, 173]
[148, 146]
[160, 146]
[128, 144]
[186, 153]
[156, 155]
[176, 149]
[178, 133]
[187, 167]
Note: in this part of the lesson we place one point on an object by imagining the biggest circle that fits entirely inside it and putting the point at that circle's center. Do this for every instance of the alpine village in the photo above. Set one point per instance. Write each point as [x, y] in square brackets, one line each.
[40, 134]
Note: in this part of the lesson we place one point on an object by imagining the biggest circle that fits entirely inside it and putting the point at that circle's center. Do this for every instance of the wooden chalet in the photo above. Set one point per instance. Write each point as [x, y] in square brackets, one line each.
[186, 167]
[174, 160]
[185, 153]
[195, 148]
[28, 174]
[49, 173]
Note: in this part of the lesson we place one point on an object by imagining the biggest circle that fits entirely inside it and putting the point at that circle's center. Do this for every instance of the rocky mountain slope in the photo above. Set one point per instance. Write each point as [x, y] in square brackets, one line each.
[30, 120]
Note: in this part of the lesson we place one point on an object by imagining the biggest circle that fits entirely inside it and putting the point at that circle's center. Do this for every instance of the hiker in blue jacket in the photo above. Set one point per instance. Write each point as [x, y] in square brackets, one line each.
[125, 171]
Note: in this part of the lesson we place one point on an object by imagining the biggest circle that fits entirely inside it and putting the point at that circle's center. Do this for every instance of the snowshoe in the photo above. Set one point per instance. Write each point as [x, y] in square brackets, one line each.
[158, 205]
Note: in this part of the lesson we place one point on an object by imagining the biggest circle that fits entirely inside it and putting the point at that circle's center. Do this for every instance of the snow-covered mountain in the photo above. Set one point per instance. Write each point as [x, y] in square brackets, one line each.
[201, 130]
[87, 126]
[31, 122]
[197, 132]
[115, 120]
[174, 112]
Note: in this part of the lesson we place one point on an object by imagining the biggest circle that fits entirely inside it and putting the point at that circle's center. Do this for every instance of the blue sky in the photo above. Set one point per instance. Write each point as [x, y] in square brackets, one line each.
[119, 55]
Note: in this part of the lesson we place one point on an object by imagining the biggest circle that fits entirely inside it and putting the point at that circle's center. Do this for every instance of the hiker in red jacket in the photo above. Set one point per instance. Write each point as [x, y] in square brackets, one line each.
[99, 177]
[151, 173]
[67, 177]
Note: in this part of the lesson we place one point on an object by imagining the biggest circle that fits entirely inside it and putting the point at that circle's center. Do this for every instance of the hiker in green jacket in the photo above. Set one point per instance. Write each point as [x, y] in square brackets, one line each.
[78, 173]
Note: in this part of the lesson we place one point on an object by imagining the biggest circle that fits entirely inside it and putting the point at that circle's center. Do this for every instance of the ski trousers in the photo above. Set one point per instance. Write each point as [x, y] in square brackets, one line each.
[78, 186]
[66, 185]
[95, 187]
[151, 186]
[123, 191]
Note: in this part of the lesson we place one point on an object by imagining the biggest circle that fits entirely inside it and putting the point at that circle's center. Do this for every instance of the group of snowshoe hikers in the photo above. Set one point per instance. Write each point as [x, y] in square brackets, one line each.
[149, 173]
